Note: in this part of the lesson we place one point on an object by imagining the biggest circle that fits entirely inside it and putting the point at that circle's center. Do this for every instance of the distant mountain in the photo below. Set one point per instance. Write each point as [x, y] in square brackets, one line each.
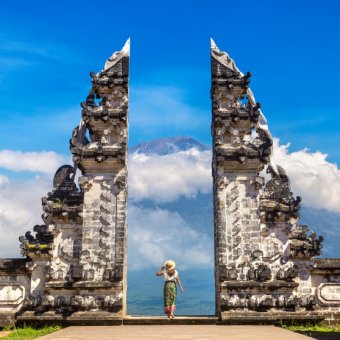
[198, 211]
[165, 146]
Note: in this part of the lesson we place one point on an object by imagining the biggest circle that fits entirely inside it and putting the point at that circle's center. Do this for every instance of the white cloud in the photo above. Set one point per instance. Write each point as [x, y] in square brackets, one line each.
[312, 177]
[156, 235]
[165, 178]
[3, 180]
[41, 162]
[20, 210]
[20, 200]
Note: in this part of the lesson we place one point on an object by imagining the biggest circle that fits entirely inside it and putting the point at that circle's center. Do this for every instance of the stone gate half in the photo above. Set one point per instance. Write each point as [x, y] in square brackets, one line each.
[264, 260]
[75, 265]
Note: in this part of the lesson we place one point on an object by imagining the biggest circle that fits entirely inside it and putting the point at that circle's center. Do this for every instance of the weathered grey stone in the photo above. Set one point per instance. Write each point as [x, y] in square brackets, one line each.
[257, 238]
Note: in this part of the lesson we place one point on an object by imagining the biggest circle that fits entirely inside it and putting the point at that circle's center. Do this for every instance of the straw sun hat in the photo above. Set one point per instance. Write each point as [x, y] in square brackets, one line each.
[169, 264]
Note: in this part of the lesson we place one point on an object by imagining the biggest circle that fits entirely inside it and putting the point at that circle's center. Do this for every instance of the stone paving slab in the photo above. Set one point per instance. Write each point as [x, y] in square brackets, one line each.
[174, 332]
[4, 333]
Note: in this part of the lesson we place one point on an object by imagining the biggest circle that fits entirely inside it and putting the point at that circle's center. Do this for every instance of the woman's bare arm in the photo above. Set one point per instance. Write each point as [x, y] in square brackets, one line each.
[160, 272]
[179, 283]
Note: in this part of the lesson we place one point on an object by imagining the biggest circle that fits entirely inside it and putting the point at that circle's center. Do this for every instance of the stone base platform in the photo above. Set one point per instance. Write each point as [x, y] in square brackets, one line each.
[78, 318]
[180, 332]
[7, 319]
[228, 318]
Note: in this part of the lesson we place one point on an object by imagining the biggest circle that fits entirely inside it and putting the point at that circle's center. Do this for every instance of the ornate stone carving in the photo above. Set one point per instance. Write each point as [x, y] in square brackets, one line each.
[259, 245]
[228, 273]
[83, 302]
[287, 274]
[64, 203]
[41, 243]
[260, 273]
[277, 201]
[303, 245]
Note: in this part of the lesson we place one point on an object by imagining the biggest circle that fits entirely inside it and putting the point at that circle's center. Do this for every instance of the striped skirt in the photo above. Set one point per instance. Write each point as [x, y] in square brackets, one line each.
[170, 294]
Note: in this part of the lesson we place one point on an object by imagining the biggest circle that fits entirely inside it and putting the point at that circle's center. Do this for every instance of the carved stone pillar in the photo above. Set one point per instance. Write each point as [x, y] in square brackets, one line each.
[103, 162]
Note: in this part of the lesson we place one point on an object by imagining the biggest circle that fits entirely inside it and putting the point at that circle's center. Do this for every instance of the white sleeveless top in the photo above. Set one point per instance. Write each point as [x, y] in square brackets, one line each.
[167, 277]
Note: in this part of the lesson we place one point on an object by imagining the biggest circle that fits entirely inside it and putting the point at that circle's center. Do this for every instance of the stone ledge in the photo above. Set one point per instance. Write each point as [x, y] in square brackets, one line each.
[95, 316]
[268, 317]
[327, 263]
[82, 284]
[94, 284]
[78, 318]
[14, 266]
[163, 320]
[326, 266]
[59, 284]
[259, 285]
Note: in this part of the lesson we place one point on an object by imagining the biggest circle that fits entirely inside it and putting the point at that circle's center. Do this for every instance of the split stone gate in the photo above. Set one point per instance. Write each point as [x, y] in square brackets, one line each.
[74, 268]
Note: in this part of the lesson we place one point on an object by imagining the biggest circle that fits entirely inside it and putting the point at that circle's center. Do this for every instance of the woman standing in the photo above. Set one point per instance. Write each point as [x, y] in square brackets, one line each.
[170, 288]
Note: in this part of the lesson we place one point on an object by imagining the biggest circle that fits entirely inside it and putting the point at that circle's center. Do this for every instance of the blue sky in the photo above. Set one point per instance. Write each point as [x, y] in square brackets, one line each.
[47, 50]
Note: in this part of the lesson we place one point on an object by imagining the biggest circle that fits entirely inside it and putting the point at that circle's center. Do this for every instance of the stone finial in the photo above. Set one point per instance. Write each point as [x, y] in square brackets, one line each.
[223, 57]
[115, 57]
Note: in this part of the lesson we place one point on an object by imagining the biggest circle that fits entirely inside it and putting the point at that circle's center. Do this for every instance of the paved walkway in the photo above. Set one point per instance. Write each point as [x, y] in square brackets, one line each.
[4, 333]
[174, 332]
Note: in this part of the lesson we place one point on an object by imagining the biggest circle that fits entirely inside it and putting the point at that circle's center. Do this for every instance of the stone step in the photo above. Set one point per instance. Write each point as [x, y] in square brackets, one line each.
[228, 318]
[163, 320]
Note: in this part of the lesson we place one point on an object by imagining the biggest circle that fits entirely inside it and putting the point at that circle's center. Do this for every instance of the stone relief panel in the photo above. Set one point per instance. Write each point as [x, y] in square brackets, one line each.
[329, 293]
[11, 294]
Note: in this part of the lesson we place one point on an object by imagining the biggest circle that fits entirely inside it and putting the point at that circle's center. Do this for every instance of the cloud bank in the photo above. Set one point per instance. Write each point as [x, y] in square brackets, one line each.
[166, 178]
[41, 162]
[20, 210]
[20, 199]
[312, 177]
[155, 234]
